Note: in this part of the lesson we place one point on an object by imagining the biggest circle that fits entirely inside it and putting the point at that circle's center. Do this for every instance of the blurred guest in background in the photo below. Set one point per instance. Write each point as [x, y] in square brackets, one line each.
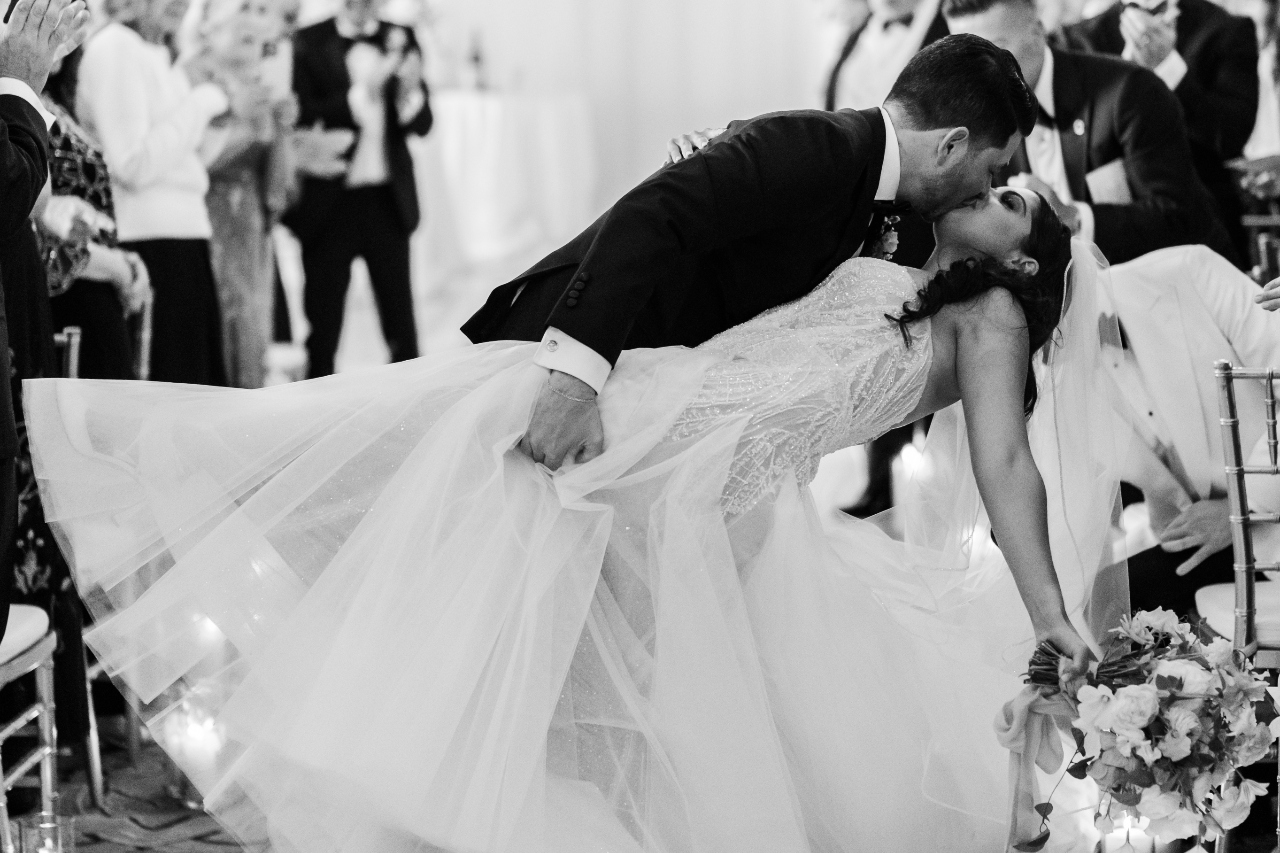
[1180, 310]
[94, 285]
[357, 73]
[1110, 151]
[1209, 59]
[877, 49]
[150, 121]
[250, 175]
[1265, 14]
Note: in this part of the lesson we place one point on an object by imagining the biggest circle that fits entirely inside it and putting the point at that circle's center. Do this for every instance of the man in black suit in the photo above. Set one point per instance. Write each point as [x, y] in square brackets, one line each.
[38, 30]
[1110, 150]
[758, 218]
[1209, 60]
[357, 73]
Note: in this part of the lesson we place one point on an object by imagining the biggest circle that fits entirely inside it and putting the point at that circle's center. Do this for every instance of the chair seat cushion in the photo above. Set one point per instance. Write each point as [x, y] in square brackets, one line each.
[27, 625]
[1216, 604]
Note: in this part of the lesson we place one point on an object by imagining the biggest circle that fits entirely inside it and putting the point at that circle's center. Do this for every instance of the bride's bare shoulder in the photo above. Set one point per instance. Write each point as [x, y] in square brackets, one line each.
[993, 311]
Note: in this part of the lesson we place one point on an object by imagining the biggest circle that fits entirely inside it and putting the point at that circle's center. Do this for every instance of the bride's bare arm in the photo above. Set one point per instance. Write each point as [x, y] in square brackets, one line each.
[991, 365]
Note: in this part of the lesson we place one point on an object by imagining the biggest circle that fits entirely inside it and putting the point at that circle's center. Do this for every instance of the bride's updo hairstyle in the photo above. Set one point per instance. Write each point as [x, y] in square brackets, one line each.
[1041, 295]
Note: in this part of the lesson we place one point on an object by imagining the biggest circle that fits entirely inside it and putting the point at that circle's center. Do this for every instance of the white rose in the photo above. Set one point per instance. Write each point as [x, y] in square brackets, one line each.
[1219, 652]
[1196, 680]
[1255, 746]
[1232, 806]
[1158, 620]
[1134, 706]
[1092, 702]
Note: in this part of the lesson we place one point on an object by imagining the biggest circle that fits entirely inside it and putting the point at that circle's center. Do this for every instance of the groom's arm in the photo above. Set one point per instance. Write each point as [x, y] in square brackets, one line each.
[774, 171]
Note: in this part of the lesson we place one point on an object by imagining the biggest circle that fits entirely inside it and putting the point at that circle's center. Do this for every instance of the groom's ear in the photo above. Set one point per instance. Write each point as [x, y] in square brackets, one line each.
[953, 146]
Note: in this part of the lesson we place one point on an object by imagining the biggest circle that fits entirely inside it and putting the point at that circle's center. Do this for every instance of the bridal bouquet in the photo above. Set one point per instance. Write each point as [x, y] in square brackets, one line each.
[1163, 725]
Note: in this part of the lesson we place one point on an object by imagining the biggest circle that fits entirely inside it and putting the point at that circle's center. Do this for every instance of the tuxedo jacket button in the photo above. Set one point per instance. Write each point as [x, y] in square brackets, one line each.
[575, 293]
[584, 277]
[571, 302]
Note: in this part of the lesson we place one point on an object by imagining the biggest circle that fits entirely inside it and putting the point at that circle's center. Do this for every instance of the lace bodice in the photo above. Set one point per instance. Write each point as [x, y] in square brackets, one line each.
[824, 372]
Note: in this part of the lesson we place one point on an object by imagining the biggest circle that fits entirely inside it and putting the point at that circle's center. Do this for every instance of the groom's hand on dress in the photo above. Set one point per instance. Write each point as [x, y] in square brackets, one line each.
[565, 426]
[683, 147]
[1269, 298]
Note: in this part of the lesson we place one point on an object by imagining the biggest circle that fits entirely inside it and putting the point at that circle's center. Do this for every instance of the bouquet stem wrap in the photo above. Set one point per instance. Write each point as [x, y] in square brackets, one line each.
[1031, 726]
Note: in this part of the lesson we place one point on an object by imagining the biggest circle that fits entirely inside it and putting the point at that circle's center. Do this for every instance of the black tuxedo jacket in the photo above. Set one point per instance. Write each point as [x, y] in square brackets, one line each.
[1107, 109]
[321, 81]
[1218, 94]
[24, 167]
[760, 217]
[937, 29]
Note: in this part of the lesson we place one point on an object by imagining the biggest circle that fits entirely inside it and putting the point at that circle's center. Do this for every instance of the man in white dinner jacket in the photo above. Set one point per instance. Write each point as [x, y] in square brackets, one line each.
[1180, 310]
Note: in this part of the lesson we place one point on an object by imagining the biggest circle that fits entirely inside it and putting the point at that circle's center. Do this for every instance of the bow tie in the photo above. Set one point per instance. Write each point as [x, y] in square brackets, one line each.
[905, 21]
[1157, 10]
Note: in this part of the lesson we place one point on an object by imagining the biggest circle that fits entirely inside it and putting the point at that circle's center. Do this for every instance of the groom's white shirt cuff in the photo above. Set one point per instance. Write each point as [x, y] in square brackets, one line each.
[18, 88]
[561, 352]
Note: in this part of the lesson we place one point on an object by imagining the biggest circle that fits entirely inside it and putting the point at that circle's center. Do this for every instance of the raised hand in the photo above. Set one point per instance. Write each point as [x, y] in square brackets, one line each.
[565, 426]
[39, 31]
[1149, 39]
[686, 146]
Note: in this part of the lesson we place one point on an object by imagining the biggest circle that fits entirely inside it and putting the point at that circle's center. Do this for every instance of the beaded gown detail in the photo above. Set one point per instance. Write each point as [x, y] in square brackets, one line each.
[408, 637]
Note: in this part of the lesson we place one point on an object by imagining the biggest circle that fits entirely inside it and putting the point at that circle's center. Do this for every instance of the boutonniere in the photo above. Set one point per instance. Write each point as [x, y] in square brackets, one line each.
[886, 242]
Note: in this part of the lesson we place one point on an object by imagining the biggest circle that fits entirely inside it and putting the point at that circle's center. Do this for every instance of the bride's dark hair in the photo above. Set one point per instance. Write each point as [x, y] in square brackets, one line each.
[1040, 295]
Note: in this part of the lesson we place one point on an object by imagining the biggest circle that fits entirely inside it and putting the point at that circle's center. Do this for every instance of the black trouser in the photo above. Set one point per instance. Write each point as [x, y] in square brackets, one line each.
[1154, 583]
[365, 224]
[186, 319]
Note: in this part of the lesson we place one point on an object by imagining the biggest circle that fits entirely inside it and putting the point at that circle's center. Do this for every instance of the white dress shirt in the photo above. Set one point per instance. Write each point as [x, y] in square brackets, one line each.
[369, 160]
[1044, 150]
[883, 50]
[562, 352]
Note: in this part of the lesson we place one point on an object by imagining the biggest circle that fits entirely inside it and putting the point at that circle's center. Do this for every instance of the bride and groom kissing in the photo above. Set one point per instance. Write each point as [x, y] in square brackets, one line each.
[428, 643]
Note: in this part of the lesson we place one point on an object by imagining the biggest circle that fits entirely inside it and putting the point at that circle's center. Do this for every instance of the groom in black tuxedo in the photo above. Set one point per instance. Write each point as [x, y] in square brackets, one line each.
[757, 219]
[357, 73]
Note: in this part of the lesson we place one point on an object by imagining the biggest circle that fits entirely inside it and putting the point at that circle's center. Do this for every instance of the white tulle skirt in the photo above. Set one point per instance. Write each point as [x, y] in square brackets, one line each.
[404, 636]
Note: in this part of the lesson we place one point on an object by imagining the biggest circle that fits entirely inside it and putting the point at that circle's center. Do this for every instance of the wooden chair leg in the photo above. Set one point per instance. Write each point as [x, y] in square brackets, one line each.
[133, 723]
[6, 829]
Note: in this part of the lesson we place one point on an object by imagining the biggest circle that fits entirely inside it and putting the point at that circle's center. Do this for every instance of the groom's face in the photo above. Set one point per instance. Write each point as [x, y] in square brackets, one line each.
[963, 172]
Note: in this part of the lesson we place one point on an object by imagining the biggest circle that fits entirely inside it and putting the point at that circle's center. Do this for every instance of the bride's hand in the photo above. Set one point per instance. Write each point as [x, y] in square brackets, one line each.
[683, 147]
[1076, 654]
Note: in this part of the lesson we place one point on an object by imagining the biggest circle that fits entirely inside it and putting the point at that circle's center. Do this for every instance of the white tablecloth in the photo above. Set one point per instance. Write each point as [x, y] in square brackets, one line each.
[500, 175]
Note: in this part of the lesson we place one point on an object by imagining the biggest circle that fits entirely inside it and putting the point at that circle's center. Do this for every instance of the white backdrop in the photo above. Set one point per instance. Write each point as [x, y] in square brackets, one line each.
[649, 68]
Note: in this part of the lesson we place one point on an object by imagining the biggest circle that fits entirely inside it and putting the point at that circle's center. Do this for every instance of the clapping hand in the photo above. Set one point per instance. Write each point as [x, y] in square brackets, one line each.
[39, 31]
[321, 153]
[1148, 38]
[1066, 212]
[683, 147]
[1205, 526]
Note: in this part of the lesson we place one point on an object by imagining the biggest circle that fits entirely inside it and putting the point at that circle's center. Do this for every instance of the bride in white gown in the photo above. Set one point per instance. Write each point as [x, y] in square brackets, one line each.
[413, 638]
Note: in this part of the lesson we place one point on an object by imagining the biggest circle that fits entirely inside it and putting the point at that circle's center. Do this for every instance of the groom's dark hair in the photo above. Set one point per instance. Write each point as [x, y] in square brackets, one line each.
[966, 81]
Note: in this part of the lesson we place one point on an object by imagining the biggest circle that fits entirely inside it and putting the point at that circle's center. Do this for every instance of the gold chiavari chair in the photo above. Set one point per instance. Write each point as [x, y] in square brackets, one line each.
[1245, 612]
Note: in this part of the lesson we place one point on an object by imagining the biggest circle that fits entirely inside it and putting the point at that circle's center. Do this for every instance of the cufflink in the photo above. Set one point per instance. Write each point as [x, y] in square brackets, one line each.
[553, 345]
[1078, 127]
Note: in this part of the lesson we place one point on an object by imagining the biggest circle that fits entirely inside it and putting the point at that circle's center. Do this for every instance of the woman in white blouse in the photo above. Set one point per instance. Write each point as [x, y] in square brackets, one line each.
[149, 120]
